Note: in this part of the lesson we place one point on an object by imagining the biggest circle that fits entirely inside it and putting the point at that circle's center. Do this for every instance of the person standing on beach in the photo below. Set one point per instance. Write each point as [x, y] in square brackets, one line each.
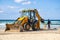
[49, 22]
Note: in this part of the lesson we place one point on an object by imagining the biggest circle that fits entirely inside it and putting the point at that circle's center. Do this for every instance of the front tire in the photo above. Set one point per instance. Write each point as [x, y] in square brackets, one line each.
[21, 29]
[27, 27]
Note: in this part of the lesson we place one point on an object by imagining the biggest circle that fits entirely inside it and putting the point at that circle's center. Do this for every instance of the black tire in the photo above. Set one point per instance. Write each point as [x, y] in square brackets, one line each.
[34, 28]
[27, 27]
[21, 29]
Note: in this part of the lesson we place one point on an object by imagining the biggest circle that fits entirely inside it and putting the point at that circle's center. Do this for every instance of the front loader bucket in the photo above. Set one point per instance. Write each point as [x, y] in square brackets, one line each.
[11, 27]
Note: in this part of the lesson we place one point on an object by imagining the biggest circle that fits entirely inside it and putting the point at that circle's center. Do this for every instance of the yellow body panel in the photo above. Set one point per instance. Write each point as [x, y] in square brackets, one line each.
[21, 18]
[24, 21]
[24, 18]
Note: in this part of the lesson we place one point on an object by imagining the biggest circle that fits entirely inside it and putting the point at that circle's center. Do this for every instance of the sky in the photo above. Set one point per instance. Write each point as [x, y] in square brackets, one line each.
[48, 9]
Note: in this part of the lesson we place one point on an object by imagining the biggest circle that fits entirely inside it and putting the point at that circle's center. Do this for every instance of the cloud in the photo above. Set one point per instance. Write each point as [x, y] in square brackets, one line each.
[23, 1]
[19, 1]
[1, 11]
[27, 2]
[12, 7]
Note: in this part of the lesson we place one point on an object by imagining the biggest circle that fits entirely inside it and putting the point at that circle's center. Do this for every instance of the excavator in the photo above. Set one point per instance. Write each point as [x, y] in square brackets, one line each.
[29, 19]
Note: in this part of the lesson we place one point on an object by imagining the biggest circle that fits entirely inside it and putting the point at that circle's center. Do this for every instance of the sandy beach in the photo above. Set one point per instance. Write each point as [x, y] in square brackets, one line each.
[31, 35]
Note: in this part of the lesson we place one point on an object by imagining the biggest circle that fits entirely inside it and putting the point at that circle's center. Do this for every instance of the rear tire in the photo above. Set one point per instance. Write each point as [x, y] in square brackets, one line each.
[34, 27]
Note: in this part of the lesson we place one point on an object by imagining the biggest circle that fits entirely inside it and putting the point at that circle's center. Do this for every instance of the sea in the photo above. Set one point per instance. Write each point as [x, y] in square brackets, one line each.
[54, 23]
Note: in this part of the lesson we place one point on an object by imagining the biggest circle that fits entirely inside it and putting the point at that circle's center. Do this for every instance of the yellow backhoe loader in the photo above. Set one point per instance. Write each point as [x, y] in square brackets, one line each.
[29, 19]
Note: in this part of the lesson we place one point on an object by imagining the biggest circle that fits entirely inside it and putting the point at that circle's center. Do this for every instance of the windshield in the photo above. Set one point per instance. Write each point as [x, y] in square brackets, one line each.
[25, 14]
[31, 15]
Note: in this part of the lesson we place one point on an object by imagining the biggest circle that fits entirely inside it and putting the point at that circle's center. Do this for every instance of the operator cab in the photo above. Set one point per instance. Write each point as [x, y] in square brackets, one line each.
[29, 13]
